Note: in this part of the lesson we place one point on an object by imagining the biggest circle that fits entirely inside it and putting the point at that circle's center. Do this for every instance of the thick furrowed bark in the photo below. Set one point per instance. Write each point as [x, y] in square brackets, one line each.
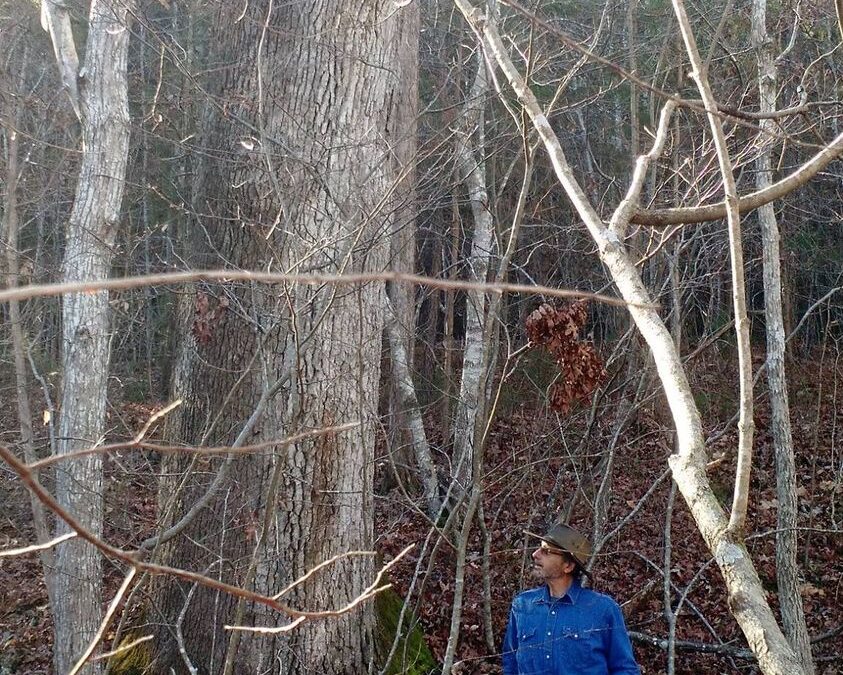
[328, 191]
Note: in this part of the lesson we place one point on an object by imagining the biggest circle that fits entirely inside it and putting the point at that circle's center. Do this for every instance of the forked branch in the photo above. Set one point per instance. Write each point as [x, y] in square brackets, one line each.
[135, 558]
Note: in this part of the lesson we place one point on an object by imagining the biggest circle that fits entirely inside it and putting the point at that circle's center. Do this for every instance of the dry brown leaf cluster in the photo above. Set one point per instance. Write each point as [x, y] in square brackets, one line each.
[206, 318]
[558, 329]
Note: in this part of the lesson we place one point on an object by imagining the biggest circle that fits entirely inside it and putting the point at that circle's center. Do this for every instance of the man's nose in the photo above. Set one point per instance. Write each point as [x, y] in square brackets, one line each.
[535, 554]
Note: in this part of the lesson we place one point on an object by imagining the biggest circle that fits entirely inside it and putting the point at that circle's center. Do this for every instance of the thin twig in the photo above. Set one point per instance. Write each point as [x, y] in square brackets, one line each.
[123, 648]
[373, 589]
[320, 566]
[37, 547]
[199, 450]
[112, 608]
[180, 635]
[154, 418]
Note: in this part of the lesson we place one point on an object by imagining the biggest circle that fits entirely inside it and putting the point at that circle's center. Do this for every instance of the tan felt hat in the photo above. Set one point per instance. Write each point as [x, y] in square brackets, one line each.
[566, 538]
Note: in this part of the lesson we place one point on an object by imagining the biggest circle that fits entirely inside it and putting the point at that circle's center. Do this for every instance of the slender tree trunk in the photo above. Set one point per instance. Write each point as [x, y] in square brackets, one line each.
[403, 129]
[453, 239]
[787, 569]
[459, 580]
[746, 424]
[632, 61]
[670, 614]
[471, 163]
[9, 236]
[409, 403]
[89, 245]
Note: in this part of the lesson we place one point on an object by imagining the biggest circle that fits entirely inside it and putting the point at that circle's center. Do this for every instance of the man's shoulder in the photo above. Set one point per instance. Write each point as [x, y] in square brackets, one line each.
[595, 600]
[598, 600]
[530, 595]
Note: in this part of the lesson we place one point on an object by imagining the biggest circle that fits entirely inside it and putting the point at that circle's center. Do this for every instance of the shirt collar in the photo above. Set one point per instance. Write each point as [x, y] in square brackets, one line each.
[571, 596]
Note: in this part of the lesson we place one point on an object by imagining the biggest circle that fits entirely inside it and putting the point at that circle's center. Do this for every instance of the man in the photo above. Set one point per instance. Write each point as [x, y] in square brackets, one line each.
[562, 628]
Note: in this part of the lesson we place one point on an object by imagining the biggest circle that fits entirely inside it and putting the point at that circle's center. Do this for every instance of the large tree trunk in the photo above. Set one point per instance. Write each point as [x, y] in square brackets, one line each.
[787, 570]
[298, 179]
[89, 245]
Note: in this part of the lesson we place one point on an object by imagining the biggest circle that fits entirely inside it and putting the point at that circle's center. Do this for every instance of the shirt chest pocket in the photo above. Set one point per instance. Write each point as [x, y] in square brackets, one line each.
[581, 646]
[534, 652]
[532, 640]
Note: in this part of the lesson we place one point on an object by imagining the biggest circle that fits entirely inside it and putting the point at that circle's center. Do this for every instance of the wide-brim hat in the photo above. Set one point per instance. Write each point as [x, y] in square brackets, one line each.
[566, 538]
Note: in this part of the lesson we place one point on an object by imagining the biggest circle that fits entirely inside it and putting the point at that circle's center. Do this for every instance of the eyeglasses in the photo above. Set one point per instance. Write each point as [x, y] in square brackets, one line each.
[550, 550]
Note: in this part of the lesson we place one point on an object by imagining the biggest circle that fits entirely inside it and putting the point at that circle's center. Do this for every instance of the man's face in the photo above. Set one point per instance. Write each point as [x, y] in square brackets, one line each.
[550, 563]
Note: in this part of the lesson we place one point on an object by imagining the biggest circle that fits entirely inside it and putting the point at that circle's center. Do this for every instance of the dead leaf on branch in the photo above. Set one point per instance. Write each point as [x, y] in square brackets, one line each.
[206, 319]
[558, 329]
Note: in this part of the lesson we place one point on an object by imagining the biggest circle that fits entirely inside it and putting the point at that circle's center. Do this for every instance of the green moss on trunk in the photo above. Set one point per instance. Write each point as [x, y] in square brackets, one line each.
[412, 656]
[134, 661]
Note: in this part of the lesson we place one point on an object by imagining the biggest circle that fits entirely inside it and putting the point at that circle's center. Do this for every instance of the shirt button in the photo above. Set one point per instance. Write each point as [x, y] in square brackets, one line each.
[553, 612]
[549, 633]
[548, 656]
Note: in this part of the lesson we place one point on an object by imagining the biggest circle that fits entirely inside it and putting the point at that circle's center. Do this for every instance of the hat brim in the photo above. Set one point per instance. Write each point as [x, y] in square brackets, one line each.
[559, 548]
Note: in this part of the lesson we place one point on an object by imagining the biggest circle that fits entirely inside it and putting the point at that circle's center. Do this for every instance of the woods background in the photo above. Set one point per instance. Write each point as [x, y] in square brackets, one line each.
[289, 287]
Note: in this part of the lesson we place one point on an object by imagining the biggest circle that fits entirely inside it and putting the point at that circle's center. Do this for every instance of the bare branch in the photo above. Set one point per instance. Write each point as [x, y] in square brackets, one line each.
[373, 589]
[134, 558]
[776, 114]
[123, 648]
[838, 6]
[319, 567]
[267, 394]
[198, 450]
[51, 290]
[630, 203]
[692, 646]
[37, 547]
[55, 19]
[266, 630]
[154, 418]
[180, 634]
[747, 203]
[112, 608]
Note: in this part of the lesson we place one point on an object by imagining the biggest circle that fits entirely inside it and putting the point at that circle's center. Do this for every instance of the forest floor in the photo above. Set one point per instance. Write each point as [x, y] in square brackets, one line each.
[531, 477]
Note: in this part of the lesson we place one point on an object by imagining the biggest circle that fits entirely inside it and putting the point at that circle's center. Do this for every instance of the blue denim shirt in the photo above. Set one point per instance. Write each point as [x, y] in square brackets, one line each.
[582, 632]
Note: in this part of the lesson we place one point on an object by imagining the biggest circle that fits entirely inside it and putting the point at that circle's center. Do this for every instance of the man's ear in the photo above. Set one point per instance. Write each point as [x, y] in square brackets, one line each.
[569, 566]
